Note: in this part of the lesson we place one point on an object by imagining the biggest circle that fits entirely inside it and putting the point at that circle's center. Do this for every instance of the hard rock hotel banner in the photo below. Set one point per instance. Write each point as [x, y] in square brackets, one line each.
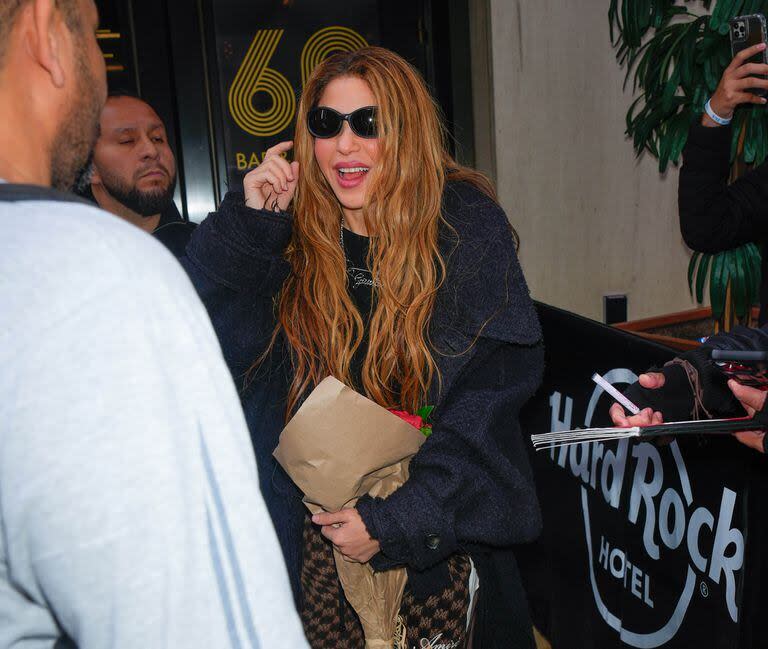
[645, 545]
[265, 51]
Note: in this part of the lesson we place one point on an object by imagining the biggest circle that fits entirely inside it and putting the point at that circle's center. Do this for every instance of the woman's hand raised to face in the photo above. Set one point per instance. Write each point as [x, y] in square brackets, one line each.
[272, 184]
[735, 86]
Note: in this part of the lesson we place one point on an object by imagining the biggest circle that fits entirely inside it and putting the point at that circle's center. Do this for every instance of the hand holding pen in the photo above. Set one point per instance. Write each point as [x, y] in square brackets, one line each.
[750, 398]
[647, 431]
[644, 417]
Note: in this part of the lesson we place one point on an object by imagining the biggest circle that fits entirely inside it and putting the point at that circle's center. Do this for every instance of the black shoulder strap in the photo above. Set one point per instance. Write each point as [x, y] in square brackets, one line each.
[11, 193]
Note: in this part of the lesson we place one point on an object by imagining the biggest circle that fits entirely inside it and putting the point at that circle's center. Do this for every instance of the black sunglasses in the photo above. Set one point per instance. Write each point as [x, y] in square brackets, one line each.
[325, 122]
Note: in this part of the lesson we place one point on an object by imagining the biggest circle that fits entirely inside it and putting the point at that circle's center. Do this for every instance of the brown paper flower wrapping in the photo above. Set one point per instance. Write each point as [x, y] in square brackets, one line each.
[337, 447]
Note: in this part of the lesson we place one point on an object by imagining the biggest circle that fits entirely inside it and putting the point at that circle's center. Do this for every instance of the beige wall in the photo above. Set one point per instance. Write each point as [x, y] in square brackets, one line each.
[591, 218]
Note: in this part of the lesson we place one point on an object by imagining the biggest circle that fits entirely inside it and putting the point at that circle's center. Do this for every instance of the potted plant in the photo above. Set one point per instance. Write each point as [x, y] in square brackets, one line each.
[674, 59]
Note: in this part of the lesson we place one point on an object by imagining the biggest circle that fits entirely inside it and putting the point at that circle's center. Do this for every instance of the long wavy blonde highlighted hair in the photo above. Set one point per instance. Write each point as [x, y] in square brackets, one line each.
[402, 214]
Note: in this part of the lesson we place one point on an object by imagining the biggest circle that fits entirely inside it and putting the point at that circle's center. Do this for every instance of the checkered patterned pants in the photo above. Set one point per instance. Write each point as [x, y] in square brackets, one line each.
[331, 623]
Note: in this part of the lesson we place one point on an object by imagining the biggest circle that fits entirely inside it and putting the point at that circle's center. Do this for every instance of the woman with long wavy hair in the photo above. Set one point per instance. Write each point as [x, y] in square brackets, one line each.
[376, 258]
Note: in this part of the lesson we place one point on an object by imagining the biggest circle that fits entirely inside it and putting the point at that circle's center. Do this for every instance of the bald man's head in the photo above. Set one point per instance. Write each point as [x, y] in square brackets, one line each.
[9, 11]
[53, 84]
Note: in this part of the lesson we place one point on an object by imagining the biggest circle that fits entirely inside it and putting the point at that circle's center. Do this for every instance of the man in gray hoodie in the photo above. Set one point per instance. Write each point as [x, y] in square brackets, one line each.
[130, 512]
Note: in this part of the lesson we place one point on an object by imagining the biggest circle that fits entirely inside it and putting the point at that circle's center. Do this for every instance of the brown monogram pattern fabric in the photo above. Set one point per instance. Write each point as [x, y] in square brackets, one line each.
[331, 623]
[441, 620]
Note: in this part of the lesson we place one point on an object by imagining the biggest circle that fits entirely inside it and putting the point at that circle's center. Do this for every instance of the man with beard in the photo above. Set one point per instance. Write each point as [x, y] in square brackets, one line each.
[134, 171]
[130, 511]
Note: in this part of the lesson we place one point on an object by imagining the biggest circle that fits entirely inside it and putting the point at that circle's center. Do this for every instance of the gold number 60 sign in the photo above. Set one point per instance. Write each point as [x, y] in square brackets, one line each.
[255, 75]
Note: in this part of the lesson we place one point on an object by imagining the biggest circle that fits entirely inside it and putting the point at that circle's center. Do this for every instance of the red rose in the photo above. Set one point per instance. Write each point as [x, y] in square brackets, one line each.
[414, 420]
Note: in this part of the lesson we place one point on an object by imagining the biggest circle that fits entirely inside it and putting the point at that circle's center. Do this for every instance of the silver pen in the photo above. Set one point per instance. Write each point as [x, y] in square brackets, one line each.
[615, 393]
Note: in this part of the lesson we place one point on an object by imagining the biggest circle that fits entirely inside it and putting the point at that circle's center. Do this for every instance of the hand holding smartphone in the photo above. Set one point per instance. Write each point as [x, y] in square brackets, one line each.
[745, 32]
[749, 368]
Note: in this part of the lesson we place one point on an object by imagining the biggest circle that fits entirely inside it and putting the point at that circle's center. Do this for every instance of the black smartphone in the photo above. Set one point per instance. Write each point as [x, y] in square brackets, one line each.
[747, 367]
[747, 31]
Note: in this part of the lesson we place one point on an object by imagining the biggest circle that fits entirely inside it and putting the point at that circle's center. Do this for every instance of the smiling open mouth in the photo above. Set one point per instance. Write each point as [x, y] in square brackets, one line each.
[351, 173]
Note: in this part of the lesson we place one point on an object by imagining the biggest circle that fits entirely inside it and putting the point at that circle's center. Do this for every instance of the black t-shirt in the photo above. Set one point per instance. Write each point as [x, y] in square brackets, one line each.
[360, 284]
[359, 277]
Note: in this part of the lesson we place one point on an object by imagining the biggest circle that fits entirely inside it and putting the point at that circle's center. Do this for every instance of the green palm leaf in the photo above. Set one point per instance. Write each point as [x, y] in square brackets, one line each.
[749, 289]
[754, 257]
[702, 277]
[718, 283]
[736, 273]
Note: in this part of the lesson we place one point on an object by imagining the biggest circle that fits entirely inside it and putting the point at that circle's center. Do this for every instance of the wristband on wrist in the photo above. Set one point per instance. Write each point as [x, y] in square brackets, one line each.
[714, 116]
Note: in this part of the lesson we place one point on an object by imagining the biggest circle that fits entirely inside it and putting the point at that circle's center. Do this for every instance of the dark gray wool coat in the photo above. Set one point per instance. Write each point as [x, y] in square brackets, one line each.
[470, 488]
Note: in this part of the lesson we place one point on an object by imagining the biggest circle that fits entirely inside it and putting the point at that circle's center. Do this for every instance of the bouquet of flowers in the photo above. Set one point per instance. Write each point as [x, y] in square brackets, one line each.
[338, 447]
